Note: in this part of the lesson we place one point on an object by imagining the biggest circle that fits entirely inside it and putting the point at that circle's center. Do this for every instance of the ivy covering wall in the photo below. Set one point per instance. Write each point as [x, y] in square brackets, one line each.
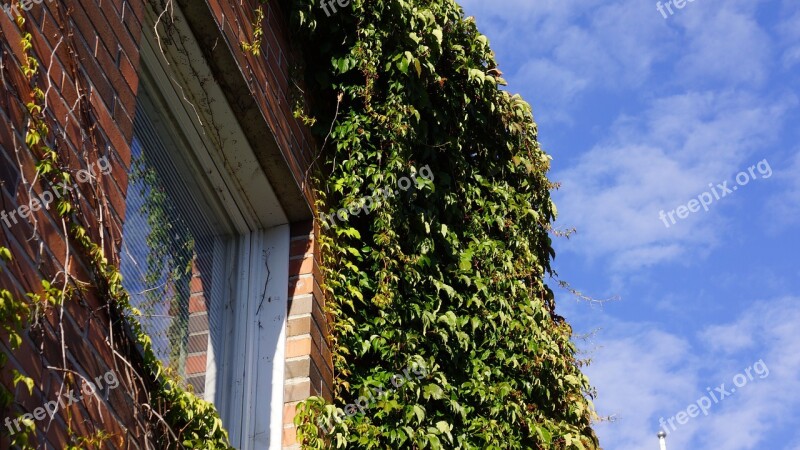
[450, 275]
[171, 415]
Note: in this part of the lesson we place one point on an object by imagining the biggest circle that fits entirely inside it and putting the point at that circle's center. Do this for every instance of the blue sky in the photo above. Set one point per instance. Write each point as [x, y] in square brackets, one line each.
[641, 114]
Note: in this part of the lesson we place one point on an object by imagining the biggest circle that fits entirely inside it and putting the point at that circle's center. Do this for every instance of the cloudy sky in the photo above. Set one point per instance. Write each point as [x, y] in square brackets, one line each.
[677, 143]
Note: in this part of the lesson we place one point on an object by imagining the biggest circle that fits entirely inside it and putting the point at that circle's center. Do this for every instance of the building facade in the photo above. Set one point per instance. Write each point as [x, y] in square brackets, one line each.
[187, 168]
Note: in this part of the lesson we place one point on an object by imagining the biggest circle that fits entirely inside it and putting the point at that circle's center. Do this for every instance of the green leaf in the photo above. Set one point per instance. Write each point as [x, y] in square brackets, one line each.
[419, 411]
[432, 391]
[27, 381]
[402, 64]
[438, 34]
[5, 254]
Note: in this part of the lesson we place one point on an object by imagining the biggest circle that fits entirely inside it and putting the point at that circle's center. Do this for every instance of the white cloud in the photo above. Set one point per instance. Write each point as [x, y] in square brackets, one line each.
[635, 376]
[727, 338]
[613, 193]
[643, 373]
[564, 48]
[724, 46]
[783, 208]
[789, 31]
[765, 404]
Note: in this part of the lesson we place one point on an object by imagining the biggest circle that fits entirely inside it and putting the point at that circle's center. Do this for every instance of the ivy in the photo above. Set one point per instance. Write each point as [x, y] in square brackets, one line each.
[13, 314]
[189, 421]
[258, 34]
[451, 275]
[16, 312]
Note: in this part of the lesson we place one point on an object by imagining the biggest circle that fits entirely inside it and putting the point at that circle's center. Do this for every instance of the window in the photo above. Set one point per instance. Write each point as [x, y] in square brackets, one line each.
[174, 258]
[205, 251]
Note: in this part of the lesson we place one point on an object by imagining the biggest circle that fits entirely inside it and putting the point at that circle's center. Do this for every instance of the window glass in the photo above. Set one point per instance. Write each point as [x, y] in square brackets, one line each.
[173, 260]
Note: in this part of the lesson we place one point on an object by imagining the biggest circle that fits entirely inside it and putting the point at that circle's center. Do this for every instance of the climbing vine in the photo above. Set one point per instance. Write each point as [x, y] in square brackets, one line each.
[185, 420]
[258, 34]
[16, 313]
[450, 275]
[13, 313]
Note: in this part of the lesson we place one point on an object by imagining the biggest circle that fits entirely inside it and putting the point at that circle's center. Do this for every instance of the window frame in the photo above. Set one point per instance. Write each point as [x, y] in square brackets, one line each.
[247, 373]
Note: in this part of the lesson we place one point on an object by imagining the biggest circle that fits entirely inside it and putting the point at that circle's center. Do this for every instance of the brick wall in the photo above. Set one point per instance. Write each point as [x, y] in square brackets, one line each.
[88, 73]
[262, 90]
[308, 358]
[90, 60]
[268, 75]
[197, 348]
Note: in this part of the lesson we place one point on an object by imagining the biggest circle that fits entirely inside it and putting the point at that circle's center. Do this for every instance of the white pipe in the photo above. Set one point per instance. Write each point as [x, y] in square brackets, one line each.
[662, 440]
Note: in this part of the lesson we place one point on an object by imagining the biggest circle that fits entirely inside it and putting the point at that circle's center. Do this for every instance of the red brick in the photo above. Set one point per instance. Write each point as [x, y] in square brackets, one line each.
[301, 266]
[301, 247]
[299, 346]
[196, 364]
[301, 286]
[196, 285]
[289, 436]
[197, 303]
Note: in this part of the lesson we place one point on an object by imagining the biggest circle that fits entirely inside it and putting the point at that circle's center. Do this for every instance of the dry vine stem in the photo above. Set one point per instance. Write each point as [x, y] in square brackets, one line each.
[39, 125]
[85, 222]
